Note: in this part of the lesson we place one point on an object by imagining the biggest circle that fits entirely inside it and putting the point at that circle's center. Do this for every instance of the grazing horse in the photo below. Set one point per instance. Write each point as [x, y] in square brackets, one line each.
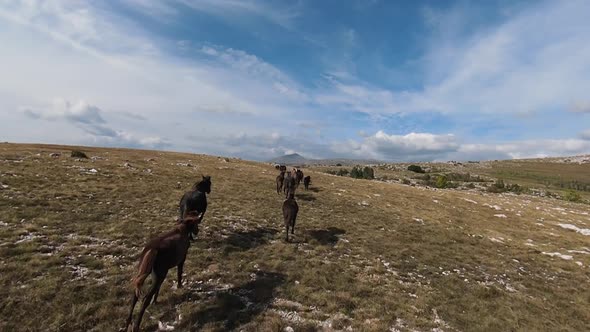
[280, 180]
[290, 210]
[289, 185]
[195, 200]
[306, 182]
[158, 256]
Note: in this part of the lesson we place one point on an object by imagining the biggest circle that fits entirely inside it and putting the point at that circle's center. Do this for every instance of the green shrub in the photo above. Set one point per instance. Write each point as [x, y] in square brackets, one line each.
[368, 173]
[425, 177]
[442, 182]
[342, 172]
[362, 173]
[497, 187]
[416, 169]
[572, 196]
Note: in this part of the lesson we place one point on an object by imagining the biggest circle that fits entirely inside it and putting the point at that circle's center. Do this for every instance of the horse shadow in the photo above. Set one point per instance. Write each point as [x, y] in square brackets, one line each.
[327, 236]
[245, 240]
[238, 305]
[305, 197]
[314, 189]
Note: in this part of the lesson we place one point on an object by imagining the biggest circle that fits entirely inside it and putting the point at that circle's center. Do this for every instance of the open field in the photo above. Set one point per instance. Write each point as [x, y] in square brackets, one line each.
[367, 255]
[551, 176]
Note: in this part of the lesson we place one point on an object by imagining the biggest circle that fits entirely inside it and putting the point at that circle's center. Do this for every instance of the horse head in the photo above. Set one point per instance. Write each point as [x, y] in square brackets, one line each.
[204, 185]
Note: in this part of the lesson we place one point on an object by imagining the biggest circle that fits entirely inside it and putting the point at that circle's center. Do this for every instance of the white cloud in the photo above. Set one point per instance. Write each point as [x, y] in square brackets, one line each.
[413, 146]
[80, 111]
[431, 147]
[90, 119]
[581, 107]
[254, 67]
[523, 149]
[175, 97]
[235, 9]
[585, 135]
[535, 60]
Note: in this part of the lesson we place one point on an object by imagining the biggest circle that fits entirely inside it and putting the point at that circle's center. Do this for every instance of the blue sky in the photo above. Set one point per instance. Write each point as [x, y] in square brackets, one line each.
[388, 80]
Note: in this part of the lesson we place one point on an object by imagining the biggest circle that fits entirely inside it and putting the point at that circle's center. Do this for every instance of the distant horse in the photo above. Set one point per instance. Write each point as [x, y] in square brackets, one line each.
[280, 180]
[195, 200]
[158, 256]
[290, 210]
[306, 182]
[298, 176]
[289, 184]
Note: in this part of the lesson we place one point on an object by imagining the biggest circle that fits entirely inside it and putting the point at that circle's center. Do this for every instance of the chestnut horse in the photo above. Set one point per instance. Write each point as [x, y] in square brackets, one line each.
[159, 255]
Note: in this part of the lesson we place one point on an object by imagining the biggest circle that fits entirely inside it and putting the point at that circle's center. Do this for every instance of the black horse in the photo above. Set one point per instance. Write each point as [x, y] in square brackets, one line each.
[306, 182]
[298, 176]
[280, 180]
[195, 200]
[290, 210]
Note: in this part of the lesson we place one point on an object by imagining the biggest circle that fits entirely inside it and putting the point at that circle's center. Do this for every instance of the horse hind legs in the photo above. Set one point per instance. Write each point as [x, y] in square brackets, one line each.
[130, 317]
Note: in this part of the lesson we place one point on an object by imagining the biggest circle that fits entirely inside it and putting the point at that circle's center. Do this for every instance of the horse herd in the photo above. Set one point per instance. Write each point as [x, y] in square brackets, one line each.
[169, 250]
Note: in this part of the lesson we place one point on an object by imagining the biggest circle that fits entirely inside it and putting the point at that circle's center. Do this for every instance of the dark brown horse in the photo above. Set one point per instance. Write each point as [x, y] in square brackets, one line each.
[290, 210]
[280, 180]
[195, 200]
[158, 256]
[289, 184]
[306, 182]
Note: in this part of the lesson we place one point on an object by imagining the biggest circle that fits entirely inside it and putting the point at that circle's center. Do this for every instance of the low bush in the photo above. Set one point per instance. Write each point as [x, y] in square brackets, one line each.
[78, 154]
[416, 169]
[572, 196]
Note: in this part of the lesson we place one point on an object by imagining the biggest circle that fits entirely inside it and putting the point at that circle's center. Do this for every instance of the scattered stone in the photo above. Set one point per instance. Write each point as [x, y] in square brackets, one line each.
[500, 215]
[583, 231]
[165, 327]
[556, 254]
[55, 155]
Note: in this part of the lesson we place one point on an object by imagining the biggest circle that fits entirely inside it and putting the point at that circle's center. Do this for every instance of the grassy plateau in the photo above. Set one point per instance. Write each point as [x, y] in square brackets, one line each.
[366, 256]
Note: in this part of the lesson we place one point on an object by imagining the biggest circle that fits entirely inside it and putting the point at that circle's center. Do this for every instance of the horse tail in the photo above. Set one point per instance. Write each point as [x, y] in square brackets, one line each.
[146, 264]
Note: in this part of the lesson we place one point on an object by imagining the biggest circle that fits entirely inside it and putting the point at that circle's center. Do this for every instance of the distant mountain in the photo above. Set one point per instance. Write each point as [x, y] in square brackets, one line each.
[290, 159]
[297, 159]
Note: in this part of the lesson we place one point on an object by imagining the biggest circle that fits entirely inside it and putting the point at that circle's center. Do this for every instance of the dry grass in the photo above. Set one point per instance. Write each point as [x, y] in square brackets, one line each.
[367, 255]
